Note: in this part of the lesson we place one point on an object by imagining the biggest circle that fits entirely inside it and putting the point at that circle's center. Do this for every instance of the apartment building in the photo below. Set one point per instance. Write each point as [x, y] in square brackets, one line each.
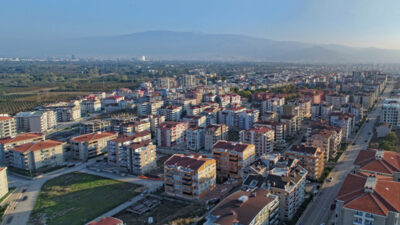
[37, 121]
[8, 143]
[262, 137]
[141, 157]
[321, 129]
[337, 100]
[232, 158]
[119, 149]
[368, 199]
[243, 207]
[65, 111]
[171, 112]
[195, 138]
[274, 104]
[322, 139]
[87, 146]
[36, 155]
[91, 104]
[238, 118]
[195, 95]
[305, 107]
[189, 176]
[279, 128]
[149, 108]
[199, 121]
[344, 121]
[326, 110]
[288, 183]
[3, 182]
[379, 162]
[311, 158]
[92, 126]
[171, 133]
[7, 127]
[155, 121]
[215, 133]
[292, 125]
[390, 112]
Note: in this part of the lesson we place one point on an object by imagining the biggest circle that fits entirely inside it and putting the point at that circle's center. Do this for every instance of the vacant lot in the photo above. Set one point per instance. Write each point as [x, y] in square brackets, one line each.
[390, 142]
[169, 212]
[77, 198]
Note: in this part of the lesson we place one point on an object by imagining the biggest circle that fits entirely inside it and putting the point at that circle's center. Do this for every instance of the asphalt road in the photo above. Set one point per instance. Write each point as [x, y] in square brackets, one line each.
[319, 212]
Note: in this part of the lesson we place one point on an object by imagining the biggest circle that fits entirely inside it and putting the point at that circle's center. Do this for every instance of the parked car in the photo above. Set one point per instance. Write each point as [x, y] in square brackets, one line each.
[24, 198]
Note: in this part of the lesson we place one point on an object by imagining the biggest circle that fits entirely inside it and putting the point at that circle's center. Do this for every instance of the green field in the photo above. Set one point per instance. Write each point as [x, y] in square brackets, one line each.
[76, 198]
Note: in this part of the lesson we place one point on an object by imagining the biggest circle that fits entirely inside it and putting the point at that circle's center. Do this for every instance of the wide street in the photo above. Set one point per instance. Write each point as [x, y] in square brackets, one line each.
[319, 211]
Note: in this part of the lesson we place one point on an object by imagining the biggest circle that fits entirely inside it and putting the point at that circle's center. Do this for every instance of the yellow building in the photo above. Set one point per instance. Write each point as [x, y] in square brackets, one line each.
[189, 176]
[311, 158]
[3, 181]
[232, 158]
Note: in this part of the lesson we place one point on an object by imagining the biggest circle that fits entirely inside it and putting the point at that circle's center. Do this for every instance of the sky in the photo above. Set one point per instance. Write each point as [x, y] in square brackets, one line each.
[357, 23]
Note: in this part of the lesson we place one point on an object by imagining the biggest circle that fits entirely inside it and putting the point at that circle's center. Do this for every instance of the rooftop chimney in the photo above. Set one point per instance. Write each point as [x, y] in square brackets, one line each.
[370, 184]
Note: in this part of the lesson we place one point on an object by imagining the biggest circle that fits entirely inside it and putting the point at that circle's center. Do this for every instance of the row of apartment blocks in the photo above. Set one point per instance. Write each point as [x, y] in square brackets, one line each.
[279, 189]
[31, 151]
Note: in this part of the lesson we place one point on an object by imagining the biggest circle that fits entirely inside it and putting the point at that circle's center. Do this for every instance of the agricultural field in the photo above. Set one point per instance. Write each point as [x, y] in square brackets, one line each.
[14, 103]
[69, 199]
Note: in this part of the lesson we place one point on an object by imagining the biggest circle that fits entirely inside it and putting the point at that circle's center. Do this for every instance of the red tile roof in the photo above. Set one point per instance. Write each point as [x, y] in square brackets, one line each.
[123, 138]
[261, 129]
[92, 136]
[192, 161]
[20, 137]
[384, 197]
[231, 210]
[238, 147]
[36, 146]
[388, 164]
[107, 221]
[2, 118]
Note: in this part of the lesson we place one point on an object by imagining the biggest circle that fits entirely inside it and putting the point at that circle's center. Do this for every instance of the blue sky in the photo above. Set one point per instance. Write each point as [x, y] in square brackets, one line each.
[360, 23]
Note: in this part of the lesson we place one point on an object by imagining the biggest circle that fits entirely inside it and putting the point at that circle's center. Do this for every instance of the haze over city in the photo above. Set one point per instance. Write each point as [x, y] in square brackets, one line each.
[185, 112]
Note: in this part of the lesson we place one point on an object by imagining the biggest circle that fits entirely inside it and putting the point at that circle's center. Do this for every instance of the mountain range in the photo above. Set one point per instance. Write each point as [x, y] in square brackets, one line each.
[169, 45]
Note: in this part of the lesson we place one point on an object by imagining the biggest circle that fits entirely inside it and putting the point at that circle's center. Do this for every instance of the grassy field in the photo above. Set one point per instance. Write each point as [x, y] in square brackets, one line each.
[76, 198]
[169, 212]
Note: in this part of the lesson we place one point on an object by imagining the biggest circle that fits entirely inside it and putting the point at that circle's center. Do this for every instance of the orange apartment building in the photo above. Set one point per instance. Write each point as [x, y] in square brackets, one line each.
[189, 176]
[311, 158]
[232, 158]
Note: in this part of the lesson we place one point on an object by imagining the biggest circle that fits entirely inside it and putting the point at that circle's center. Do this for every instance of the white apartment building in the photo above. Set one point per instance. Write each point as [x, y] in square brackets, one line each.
[390, 112]
[195, 138]
[262, 137]
[7, 127]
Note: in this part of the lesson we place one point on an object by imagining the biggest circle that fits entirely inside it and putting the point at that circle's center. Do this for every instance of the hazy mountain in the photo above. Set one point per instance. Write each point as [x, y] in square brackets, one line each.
[201, 46]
